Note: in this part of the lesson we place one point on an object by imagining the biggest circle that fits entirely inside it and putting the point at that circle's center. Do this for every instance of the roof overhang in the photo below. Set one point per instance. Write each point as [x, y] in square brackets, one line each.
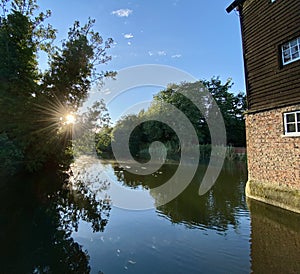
[234, 4]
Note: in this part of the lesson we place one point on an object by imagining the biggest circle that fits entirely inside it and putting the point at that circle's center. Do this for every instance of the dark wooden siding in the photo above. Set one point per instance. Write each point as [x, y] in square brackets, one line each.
[265, 27]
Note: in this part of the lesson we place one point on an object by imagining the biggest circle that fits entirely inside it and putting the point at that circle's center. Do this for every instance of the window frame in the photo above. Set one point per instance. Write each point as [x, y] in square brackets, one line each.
[289, 49]
[296, 122]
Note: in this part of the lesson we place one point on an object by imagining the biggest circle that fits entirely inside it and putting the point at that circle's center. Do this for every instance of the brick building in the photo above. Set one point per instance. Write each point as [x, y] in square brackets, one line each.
[271, 50]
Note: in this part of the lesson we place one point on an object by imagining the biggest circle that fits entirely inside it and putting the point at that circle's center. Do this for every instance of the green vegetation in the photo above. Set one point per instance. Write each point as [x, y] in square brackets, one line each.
[149, 128]
[34, 131]
[36, 107]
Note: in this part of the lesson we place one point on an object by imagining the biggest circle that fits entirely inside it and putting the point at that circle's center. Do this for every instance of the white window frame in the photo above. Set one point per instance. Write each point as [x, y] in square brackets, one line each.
[291, 48]
[296, 122]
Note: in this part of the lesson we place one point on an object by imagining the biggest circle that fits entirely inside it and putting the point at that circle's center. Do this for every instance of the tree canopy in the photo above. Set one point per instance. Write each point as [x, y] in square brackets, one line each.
[34, 104]
[149, 128]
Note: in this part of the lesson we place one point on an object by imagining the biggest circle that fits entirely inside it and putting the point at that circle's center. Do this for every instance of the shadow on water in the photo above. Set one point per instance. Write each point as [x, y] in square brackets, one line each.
[37, 216]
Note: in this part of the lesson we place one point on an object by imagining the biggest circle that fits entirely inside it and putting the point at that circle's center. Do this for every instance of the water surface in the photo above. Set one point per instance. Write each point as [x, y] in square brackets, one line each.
[48, 226]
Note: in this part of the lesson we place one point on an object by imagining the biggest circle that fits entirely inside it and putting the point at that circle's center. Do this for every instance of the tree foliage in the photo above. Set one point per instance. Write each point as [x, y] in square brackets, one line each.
[231, 107]
[33, 104]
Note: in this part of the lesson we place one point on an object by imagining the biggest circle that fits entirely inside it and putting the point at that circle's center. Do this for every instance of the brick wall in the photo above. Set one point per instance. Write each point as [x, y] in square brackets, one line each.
[272, 157]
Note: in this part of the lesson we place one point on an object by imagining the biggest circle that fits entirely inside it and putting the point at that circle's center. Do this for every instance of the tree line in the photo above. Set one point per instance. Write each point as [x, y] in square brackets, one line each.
[150, 129]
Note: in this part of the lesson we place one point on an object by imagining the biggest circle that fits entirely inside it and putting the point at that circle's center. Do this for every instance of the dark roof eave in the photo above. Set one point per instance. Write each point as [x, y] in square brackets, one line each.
[234, 4]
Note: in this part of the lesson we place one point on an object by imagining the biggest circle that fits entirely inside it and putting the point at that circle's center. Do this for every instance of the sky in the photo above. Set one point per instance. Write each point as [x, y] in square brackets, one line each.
[195, 36]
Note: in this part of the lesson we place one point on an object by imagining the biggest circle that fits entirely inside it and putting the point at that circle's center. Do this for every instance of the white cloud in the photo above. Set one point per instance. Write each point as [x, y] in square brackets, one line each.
[157, 53]
[128, 35]
[122, 12]
[129, 43]
[161, 53]
[176, 56]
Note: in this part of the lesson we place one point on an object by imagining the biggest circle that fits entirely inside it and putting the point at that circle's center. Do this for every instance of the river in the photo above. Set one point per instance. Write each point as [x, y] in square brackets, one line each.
[48, 226]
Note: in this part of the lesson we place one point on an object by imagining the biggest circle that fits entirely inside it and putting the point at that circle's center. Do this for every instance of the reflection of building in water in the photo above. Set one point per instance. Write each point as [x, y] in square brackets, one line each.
[271, 47]
[275, 239]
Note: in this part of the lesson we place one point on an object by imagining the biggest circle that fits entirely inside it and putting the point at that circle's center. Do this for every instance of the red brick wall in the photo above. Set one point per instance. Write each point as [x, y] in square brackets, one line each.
[272, 157]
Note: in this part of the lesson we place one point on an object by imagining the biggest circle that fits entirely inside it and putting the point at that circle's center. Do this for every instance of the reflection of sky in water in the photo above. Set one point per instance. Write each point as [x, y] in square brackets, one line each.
[144, 242]
[173, 238]
[120, 195]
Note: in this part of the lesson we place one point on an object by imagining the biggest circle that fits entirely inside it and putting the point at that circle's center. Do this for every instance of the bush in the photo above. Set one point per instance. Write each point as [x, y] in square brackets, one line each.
[10, 156]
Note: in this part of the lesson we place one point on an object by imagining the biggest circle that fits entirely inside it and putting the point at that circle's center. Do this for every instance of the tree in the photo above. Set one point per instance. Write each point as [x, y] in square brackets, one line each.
[232, 107]
[103, 142]
[32, 104]
[150, 128]
[91, 127]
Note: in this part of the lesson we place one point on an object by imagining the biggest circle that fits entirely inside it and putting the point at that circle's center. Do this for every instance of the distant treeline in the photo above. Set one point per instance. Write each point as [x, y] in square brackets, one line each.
[149, 129]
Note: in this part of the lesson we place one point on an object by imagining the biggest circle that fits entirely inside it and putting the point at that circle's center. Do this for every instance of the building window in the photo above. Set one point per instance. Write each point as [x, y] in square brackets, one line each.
[292, 123]
[291, 51]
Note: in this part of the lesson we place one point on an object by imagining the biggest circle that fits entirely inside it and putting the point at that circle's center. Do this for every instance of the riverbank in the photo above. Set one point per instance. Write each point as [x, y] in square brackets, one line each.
[173, 157]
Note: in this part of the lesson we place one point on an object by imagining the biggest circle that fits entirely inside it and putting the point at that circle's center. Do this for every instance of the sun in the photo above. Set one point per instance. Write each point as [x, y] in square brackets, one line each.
[70, 119]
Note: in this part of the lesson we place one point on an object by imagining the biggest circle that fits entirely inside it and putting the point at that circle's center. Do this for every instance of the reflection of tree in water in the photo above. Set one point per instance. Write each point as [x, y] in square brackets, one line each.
[132, 180]
[217, 209]
[37, 217]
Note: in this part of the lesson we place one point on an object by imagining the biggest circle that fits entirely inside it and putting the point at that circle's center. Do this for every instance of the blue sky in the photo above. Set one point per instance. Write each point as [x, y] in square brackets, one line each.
[196, 36]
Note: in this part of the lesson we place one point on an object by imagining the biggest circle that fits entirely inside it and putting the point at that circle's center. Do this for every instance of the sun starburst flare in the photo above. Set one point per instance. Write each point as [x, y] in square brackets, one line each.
[70, 119]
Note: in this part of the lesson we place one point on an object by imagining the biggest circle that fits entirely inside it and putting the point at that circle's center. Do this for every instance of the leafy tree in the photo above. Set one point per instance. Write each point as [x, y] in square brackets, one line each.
[149, 128]
[122, 129]
[91, 127]
[10, 155]
[33, 105]
[232, 107]
[103, 142]
[73, 67]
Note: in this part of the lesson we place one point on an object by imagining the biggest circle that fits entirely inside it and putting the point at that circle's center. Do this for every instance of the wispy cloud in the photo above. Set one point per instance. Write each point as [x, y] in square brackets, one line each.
[129, 43]
[128, 35]
[161, 53]
[176, 56]
[122, 12]
[157, 53]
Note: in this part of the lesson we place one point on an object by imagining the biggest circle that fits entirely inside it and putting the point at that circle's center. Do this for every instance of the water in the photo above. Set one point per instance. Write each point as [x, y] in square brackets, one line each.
[48, 227]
